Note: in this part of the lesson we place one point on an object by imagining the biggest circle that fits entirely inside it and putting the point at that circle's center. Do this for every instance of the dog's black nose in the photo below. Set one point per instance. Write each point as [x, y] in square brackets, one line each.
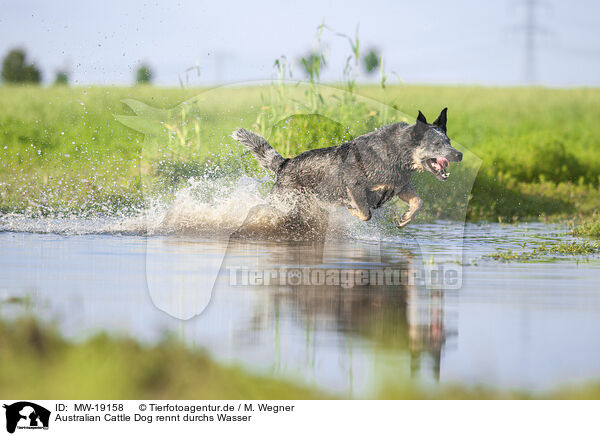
[458, 156]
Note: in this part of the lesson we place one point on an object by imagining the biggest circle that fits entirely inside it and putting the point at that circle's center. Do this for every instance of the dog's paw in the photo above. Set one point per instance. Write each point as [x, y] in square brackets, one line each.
[403, 221]
[361, 216]
[402, 224]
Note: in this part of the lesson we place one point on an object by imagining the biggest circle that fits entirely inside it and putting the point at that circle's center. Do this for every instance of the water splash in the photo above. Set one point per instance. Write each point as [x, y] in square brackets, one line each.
[209, 207]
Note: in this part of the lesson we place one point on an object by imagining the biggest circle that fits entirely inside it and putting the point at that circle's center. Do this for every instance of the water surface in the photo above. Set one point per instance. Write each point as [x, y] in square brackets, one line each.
[510, 325]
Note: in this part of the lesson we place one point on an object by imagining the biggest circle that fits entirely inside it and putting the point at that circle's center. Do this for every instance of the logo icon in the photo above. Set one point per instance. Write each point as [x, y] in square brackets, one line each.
[26, 415]
[193, 191]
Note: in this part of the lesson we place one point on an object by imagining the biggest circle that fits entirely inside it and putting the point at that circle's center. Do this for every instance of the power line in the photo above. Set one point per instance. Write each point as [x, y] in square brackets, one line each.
[530, 46]
[531, 30]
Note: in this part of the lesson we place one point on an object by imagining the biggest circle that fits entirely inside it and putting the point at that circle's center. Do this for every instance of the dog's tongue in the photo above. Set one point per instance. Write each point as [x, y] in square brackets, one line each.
[442, 161]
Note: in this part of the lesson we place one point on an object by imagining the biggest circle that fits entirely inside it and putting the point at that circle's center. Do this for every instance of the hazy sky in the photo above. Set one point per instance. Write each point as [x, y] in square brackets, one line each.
[422, 41]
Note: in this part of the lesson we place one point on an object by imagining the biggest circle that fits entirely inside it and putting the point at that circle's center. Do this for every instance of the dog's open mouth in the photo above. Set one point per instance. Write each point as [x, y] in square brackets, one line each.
[437, 166]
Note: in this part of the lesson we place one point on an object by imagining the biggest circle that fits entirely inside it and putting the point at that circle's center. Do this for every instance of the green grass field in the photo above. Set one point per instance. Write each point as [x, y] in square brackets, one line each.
[63, 151]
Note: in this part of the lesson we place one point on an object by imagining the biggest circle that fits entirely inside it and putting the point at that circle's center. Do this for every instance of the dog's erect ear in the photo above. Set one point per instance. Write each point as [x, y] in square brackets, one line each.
[441, 120]
[420, 127]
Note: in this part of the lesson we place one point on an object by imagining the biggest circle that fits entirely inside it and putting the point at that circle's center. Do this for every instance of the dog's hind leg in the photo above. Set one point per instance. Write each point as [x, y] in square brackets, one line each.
[409, 196]
[359, 206]
[261, 222]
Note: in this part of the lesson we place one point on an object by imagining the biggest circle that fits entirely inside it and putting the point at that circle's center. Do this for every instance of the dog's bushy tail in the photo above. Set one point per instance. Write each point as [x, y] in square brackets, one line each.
[266, 155]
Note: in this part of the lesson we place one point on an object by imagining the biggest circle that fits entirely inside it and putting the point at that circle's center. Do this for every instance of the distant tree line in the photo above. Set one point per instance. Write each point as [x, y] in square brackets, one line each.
[143, 75]
[16, 69]
[313, 62]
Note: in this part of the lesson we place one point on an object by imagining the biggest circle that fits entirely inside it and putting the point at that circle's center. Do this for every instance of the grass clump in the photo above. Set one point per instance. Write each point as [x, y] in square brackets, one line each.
[544, 251]
[509, 256]
[588, 227]
[575, 248]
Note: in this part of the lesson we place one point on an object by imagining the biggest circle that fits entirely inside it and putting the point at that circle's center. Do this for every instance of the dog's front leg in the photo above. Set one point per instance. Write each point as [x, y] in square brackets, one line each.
[409, 196]
[359, 207]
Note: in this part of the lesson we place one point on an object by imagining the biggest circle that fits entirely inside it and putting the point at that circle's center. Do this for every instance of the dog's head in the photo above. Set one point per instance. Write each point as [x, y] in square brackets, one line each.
[433, 151]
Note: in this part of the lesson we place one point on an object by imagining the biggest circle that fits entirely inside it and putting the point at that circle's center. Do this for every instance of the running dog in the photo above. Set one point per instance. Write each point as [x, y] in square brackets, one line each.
[361, 174]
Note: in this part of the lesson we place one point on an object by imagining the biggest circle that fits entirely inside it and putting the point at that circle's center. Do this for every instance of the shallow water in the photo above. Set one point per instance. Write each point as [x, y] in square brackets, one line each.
[510, 325]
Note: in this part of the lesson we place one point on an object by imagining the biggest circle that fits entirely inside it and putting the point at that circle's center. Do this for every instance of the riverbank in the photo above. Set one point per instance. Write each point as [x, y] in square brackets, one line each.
[107, 367]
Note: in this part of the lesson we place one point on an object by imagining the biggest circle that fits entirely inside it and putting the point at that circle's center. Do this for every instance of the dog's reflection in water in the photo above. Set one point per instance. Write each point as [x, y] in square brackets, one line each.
[356, 288]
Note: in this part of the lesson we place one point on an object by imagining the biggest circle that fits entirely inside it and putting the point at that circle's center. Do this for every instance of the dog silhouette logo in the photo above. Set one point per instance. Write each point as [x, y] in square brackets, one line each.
[26, 415]
[196, 182]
